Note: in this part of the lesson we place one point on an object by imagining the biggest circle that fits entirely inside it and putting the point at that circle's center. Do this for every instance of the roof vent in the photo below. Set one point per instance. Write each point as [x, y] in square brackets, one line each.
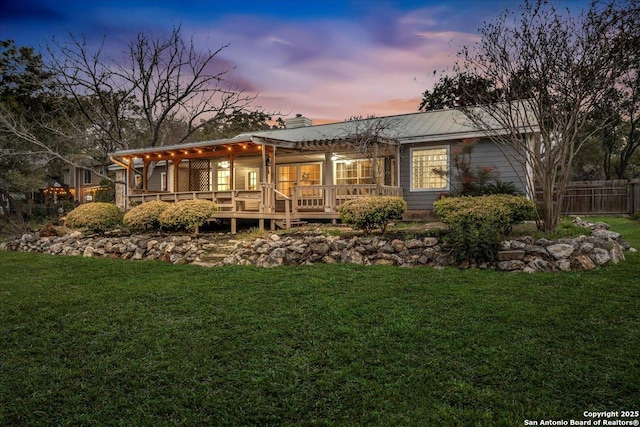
[299, 121]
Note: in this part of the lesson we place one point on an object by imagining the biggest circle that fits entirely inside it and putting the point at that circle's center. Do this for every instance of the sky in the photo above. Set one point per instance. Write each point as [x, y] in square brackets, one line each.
[327, 60]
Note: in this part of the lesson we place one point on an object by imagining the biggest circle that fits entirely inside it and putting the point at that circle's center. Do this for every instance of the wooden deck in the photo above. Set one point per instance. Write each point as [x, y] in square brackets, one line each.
[313, 202]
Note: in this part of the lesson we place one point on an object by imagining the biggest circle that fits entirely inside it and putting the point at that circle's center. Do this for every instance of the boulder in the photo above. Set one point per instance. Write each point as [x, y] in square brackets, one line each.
[560, 250]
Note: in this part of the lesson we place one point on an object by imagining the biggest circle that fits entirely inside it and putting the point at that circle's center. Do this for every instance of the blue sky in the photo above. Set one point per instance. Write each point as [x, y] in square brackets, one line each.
[326, 59]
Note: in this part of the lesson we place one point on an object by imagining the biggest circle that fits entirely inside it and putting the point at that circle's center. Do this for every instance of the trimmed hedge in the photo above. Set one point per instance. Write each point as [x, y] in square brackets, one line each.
[369, 213]
[145, 216]
[97, 217]
[187, 215]
[478, 224]
[502, 210]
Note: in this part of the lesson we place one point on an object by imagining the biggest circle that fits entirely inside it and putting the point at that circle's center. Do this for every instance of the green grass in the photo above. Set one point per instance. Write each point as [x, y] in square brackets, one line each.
[109, 342]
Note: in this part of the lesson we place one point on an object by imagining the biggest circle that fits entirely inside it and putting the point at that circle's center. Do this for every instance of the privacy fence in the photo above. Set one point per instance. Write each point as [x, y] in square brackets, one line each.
[615, 197]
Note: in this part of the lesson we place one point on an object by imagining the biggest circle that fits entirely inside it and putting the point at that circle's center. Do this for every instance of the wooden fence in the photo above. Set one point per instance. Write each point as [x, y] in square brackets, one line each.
[615, 197]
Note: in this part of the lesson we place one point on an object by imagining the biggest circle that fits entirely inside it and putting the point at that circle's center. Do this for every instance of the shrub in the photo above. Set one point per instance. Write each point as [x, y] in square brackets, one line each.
[97, 217]
[477, 224]
[187, 215]
[145, 216]
[369, 213]
[470, 181]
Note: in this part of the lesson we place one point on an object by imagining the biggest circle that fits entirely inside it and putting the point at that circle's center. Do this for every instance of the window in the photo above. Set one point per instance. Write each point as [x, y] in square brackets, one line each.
[298, 174]
[425, 164]
[88, 174]
[223, 181]
[357, 172]
[251, 180]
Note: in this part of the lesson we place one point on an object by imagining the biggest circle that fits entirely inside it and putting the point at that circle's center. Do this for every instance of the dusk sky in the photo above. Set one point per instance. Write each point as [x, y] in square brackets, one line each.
[326, 59]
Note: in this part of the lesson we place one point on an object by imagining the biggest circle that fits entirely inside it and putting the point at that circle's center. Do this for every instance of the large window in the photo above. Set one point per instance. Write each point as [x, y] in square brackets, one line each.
[298, 174]
[357, 172]
[429, 168]
[223, 179]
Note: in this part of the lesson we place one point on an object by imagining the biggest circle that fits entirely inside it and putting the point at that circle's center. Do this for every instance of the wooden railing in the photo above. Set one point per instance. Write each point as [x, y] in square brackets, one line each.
[317, 198]
[227, 200]
[328, 198]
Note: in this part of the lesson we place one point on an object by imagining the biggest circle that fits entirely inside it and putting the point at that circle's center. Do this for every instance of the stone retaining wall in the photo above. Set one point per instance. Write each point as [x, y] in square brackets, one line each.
[521, 254]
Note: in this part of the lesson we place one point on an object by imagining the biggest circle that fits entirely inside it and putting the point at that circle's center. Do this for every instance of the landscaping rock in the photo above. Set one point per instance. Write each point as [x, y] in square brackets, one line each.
[560, 250]
[510, 255]
[521, 254]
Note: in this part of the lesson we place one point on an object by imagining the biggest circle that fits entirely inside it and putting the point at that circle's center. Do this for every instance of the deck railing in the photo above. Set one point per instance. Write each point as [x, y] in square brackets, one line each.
[317, 198]
[227, 200]
[329, 197]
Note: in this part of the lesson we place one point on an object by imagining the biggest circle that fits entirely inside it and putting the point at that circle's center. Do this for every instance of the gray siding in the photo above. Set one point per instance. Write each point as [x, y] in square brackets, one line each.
[485, 153]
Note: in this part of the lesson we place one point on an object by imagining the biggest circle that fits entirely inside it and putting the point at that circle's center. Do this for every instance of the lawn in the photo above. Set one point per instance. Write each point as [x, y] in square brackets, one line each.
[110, 342]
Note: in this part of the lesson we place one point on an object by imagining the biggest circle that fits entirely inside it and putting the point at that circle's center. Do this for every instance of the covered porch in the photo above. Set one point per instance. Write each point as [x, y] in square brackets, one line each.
[251, 178]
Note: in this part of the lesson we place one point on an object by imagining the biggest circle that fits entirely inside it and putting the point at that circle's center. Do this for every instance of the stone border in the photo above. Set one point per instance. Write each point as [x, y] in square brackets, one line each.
[520, 254]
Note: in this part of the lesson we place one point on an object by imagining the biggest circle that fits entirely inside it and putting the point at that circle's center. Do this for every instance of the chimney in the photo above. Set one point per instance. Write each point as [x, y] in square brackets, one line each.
[299, 121]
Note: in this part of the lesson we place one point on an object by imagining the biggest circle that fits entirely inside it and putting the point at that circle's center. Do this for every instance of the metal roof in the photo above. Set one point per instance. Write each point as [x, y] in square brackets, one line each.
[429, 126]
[439, 125]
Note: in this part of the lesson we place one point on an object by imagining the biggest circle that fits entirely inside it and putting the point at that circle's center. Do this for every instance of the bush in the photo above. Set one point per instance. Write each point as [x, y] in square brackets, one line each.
[503, 210]
[97, 217]
[370, 213]
[145, 216]
[477, 224]
[187, 215]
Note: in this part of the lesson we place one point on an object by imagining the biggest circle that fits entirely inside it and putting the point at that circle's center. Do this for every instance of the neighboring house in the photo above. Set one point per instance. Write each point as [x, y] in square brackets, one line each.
[306, 172]
[83, 183]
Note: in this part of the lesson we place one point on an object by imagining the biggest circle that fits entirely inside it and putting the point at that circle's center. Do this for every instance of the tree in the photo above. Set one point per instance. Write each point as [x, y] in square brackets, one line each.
[457, 91]
[367, 136]
[234, 124]
[553, 70]
[629, 89]
[161, 92]
[25, 97]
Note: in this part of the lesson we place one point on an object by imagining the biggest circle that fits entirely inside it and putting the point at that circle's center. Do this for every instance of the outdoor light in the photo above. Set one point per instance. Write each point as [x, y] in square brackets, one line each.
[224, 165]
[334, 158]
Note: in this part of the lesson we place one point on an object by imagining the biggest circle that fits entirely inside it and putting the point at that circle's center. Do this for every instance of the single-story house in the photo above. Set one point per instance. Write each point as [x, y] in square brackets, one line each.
[306, 172]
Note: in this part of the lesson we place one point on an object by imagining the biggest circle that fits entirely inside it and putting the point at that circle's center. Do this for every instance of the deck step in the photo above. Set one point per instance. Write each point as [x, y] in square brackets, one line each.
[282, 224]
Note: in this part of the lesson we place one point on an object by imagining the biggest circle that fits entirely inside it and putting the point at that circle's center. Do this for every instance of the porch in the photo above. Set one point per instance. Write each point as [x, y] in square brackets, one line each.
[260, 178]
[270, 206]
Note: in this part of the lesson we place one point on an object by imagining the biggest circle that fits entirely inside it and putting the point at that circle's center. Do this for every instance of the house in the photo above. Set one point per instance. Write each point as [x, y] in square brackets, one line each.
[306, 172]
[79, 184]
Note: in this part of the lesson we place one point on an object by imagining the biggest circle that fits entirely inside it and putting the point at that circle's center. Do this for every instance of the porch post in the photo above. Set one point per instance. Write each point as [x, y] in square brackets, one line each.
[328, 182]
[232, 172]
[264, 164]
[375, 163]
[176, 166]
[263, 181]
[129, 171]
[145, 172]
[397, 183]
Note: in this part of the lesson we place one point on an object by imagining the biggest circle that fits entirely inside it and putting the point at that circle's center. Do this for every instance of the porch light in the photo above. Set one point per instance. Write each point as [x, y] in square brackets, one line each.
[224, 165]
[334, 158]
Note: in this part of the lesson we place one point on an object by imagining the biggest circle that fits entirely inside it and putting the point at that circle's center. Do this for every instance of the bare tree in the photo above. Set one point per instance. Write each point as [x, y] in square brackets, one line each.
[554, 70]
[368, 136]
[159, 93]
